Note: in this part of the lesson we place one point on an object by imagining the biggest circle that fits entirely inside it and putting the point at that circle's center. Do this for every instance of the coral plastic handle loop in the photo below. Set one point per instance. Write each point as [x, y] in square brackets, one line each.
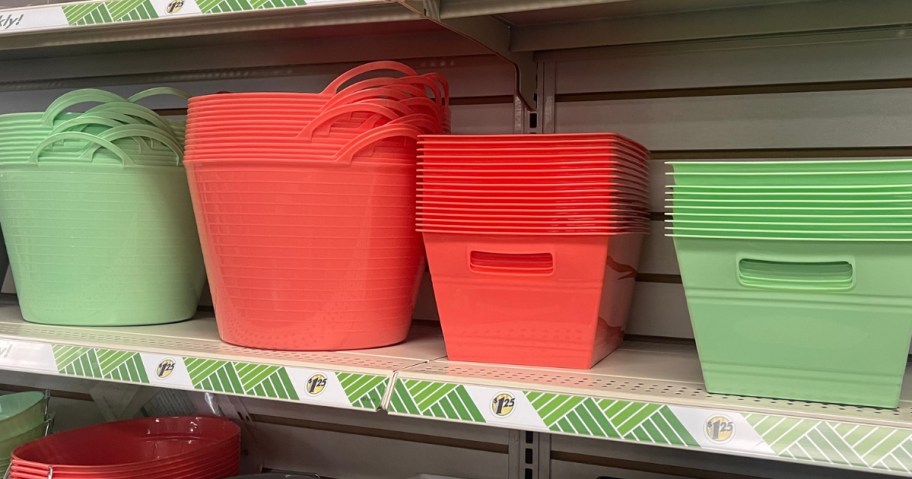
[335, 85]
[385, 108]
[347, 154]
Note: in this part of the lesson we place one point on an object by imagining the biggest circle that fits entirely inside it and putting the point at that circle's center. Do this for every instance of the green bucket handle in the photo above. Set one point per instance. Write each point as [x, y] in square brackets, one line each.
[76, 97]
[335, 85]
[106, 139]
[135, 111]
[86, 137]
[144, 131]
[160, 91]
[385, 108]
[347, 154]
[86, 120]
[109, 119]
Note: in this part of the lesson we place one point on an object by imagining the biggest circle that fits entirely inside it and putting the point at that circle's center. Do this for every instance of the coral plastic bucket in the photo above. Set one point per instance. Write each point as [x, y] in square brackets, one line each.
[314, 254]
[101, 239]
[542, 301]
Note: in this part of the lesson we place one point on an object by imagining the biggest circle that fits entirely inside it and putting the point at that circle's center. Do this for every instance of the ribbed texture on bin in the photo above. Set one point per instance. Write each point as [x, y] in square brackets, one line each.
[305, 204]
[796, 276]
[96, 213]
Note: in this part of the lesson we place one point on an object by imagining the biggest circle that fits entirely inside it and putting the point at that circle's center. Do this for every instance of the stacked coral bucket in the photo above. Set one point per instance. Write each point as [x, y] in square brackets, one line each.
[533, 243]
[305, 207]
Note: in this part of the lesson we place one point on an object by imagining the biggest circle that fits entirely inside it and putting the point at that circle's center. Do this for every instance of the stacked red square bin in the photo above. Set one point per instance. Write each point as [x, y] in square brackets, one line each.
[533, 243]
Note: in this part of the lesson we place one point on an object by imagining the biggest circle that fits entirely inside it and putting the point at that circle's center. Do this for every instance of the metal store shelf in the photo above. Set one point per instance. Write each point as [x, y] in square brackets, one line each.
[189, 356]
[652, 393]
[649, 393]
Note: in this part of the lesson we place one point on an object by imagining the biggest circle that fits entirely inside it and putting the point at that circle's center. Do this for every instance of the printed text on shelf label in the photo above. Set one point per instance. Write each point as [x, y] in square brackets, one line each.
[10, 20]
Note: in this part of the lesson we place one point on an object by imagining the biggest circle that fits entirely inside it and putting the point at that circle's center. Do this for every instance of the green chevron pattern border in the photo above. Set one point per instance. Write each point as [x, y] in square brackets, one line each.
[434, 399]
[109, 12]
[364, 391]
[606, 418]
[267, 4]
[98, 363]
[829, 443]
[875, 447]
[247, 379]
[113, 11]
[224, 6]
[87, 14]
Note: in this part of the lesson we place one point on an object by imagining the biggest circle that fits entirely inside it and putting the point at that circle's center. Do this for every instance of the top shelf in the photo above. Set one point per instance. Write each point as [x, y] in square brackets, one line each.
[530, 25]
[159, 41]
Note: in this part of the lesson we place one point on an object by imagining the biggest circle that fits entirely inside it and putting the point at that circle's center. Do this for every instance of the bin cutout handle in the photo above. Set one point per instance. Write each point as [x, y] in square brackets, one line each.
[511, 263]
[796, 275]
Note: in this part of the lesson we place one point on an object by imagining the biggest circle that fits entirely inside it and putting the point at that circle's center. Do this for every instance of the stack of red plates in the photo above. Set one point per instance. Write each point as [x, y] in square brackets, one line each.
[148, 448]
[533, 242]
[305, 204]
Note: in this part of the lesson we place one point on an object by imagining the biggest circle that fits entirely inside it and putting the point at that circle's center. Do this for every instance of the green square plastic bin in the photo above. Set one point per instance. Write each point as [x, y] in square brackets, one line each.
[810, 320]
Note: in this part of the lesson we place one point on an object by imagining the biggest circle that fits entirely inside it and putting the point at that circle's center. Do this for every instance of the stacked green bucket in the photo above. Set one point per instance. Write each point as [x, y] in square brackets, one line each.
[96, 213]
[798, 275]
[23, 418]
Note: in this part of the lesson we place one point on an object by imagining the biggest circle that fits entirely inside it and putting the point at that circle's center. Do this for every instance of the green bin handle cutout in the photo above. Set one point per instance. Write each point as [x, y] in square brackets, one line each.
[782, 275]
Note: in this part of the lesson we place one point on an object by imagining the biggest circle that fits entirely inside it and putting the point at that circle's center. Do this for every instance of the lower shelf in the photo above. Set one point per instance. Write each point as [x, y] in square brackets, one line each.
[189, 355]
[652, 393]
[648, 393]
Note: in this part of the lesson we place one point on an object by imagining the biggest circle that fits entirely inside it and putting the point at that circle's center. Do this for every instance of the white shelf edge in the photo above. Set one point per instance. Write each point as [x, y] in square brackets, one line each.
[189, 356]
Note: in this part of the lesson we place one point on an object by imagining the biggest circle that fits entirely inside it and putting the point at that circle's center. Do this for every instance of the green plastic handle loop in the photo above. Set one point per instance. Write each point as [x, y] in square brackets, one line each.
[75, 97]
[85, 120]
[347, 154]
[160, 91]
[386, 108]
[88, 154]
[135, 111]
[371, 67]
[144, 131]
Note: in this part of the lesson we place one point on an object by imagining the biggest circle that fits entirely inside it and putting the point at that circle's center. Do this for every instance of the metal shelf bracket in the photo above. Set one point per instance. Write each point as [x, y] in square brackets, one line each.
[491, 33]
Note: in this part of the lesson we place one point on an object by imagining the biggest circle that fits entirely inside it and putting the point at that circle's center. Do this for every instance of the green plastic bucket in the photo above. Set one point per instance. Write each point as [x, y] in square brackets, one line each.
[21, 412]
[101, 237]
[806, 320]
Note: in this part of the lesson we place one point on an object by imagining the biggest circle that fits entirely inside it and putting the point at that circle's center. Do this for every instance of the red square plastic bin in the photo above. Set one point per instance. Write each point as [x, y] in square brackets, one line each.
[558, 301]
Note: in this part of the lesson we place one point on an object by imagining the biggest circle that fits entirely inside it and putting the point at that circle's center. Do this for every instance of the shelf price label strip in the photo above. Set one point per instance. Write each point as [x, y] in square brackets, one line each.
[351, 390]
[821, 442]
[79, 14]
